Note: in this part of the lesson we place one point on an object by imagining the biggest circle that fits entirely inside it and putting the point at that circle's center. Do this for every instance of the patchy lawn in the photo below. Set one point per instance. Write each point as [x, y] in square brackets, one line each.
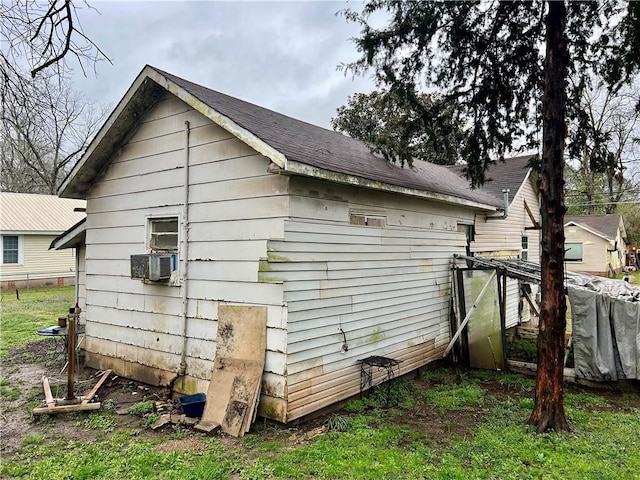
[445, 424]
[33, 310]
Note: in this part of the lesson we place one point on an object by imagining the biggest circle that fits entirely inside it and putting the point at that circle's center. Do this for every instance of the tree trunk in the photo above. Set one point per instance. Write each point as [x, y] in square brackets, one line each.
[548, 412]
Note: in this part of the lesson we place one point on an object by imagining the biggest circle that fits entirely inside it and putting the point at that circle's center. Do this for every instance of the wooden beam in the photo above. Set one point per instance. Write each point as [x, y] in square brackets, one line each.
[531, 304]
[536, 224]
[95, 388]
[47, 392]
[79, 407]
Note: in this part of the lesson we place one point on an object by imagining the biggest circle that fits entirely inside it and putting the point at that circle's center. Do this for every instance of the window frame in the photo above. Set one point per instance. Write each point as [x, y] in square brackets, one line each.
[524, 248]
[151, 220]
[567, 247]
[20, 249]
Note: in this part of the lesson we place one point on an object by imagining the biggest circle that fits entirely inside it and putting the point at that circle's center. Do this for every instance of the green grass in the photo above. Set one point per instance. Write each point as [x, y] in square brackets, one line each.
[451, 424]
[455, 397]
[371, 444]
[8, 392]
[39, 308]
[635, 277]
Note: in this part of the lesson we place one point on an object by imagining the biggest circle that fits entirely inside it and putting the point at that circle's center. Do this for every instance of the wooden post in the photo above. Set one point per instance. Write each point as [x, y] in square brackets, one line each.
[71, 349]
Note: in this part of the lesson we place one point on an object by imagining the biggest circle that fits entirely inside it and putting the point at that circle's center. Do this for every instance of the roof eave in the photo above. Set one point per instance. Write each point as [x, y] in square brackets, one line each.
[71, 238]
[593, 231]
[31, 232]
[142, 94]
[303, 169]
[221, 120]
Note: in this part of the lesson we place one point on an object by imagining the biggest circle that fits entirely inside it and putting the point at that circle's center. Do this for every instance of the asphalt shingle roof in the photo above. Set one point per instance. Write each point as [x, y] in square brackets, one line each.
[607, 225]
[322, 148]
[300, 142]
[509, 173]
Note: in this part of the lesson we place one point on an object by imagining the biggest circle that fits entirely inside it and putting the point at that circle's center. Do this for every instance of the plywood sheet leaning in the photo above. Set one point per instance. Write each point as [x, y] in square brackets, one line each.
[234, 387]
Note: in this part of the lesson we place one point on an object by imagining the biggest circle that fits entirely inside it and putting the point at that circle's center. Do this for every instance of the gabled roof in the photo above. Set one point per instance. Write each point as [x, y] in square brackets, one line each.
[296, 147]
[508, 174]
[31, 213]
[605, 226]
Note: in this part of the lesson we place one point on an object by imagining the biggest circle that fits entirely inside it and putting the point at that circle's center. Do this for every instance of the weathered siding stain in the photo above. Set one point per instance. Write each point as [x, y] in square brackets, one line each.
[235, 207]
[386, 288]
[262, 239]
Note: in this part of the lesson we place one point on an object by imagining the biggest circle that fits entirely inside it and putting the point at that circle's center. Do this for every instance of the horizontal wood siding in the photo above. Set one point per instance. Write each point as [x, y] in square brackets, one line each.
[39, 262]
[235, 206]
[513, 300]
[503, 236]
[387, 289]
[323, 389]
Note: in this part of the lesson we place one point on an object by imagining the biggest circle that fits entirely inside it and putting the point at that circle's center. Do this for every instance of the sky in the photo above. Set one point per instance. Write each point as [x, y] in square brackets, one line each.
[280, 55]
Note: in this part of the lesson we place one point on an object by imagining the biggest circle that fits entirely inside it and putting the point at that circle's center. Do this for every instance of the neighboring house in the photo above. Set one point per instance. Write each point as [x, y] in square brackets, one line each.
[349, 254]
[28, 224]
[516, 232]
[595, 244]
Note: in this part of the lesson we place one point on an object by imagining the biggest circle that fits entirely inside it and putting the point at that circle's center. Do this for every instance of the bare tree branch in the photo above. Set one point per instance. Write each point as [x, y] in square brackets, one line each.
[44, 133]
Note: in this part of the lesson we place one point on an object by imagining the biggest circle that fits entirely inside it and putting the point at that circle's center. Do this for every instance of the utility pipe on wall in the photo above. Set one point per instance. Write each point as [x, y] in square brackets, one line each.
[505, 199]
[184, 284]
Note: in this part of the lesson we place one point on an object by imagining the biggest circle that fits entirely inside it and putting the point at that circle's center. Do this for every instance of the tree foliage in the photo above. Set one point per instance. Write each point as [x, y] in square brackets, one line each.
[487, 58]
[386, 119]
[507, 65]
[631, 215]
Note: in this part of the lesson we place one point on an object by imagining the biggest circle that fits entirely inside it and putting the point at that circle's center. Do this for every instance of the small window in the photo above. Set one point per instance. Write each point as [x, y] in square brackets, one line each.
[573, 252]
[368, 220]
[163, 234]
[10, 249]
[524, 243]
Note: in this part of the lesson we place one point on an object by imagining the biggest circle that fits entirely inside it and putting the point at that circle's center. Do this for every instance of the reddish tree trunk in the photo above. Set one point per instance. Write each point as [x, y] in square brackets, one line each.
[548, 412]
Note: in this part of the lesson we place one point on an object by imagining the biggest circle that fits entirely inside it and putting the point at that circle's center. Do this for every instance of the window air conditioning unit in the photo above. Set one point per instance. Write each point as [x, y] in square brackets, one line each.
[152, 266]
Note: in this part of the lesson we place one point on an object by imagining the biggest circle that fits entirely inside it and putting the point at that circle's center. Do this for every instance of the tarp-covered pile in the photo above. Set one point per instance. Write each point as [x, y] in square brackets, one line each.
[606, 327]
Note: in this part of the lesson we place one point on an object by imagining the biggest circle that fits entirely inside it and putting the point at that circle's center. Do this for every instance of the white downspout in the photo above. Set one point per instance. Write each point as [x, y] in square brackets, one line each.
[184, 285]
[77, 255]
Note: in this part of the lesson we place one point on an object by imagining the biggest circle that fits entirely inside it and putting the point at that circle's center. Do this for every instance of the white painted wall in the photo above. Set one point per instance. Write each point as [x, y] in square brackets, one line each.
[594, 251]
[503, 237]
[262, 239]
[387, 288]
[235, 206]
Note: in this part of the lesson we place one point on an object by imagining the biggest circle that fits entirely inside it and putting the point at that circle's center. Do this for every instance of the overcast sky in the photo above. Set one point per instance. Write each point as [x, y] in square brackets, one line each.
[280, 55]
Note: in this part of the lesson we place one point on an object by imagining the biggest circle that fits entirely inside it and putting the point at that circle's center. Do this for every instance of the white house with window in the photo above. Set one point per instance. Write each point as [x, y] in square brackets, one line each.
[595, 244]
[347, 255]
[28, 224]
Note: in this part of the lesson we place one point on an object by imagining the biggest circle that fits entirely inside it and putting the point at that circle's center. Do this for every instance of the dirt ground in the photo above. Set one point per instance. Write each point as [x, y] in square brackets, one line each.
[25, 368]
